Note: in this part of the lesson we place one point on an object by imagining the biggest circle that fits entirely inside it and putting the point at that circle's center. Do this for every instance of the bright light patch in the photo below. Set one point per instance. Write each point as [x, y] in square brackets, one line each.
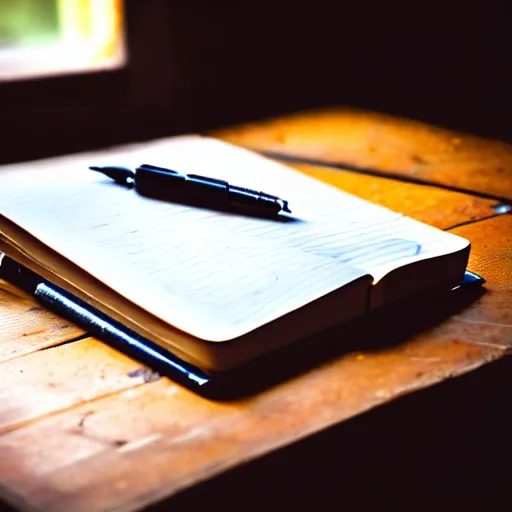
[49, 37]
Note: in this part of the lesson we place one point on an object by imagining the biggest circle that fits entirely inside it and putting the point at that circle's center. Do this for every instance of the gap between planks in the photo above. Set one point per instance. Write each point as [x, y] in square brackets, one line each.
[378, 173]
[45, 347]
[60, 378]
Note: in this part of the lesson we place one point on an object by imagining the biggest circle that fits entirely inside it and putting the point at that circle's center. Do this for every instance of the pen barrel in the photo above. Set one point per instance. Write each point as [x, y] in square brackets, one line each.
[194, 189]
[117, 335]
[182, 188]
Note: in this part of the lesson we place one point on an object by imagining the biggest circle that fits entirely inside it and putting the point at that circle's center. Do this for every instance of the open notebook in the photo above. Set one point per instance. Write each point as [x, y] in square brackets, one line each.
[216, 289]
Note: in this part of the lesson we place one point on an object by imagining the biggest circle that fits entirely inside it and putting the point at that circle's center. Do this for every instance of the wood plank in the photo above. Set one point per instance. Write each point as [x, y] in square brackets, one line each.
[27, 327]
[44, 382]
[400, 147]
[140, 447]
[491, 254]
[435, 206]
[106, 447]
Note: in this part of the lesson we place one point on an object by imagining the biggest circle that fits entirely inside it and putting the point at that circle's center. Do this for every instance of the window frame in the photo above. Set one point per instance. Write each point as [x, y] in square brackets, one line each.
[46, 116]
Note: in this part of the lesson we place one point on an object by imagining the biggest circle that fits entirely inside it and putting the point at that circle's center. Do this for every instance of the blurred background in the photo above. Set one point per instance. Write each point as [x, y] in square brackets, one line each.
[41, 38]
[80, 74]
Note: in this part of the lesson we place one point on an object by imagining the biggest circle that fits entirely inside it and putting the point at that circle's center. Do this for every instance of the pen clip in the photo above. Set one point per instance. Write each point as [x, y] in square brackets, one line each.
[156, 168]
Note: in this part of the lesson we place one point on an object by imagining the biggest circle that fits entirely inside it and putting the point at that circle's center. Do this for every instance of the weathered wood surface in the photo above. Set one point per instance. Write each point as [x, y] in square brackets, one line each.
[44, 382]
[492, 255]
[400, 147]
[435, 206]
[27, 327]
[82, 427]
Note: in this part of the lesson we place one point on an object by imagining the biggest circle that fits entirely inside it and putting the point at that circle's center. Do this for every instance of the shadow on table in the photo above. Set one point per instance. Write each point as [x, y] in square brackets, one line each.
[443, 448]
[383, 329]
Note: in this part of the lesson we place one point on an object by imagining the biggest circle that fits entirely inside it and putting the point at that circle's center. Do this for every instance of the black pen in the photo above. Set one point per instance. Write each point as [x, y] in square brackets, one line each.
[100, 325]
[170, 185]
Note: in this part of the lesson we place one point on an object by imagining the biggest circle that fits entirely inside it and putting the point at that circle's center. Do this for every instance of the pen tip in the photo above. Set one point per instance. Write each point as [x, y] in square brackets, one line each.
[121, 175]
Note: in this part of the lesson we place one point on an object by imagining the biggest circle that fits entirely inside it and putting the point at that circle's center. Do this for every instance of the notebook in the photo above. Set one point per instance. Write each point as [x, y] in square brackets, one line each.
[217, 289]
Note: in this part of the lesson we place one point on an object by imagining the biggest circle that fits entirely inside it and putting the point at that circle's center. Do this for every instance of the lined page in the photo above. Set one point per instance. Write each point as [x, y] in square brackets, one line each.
[214, 275]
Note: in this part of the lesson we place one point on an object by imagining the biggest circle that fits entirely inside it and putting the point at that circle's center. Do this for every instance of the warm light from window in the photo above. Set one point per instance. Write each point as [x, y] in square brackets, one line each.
[48, 37]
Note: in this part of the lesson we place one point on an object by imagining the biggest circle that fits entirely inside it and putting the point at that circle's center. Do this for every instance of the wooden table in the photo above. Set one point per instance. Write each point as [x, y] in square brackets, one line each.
[83, 427]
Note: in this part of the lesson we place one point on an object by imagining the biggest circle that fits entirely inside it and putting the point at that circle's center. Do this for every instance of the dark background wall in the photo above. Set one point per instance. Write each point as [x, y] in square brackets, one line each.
[445, 61]
[198, 64]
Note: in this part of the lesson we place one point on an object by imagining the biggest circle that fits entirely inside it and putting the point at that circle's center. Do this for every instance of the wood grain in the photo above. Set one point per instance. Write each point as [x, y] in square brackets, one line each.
[27, 327]
[435, 206]
[42, 383]
[184, 440]
[107, 446]
[491, 254]
[400, 147]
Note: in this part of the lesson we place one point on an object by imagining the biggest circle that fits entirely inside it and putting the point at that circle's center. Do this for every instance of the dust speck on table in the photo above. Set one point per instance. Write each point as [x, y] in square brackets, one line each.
[147, 374]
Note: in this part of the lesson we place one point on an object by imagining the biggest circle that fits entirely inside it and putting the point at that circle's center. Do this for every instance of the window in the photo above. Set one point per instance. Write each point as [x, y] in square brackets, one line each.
[51, 107]
[54, 37]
